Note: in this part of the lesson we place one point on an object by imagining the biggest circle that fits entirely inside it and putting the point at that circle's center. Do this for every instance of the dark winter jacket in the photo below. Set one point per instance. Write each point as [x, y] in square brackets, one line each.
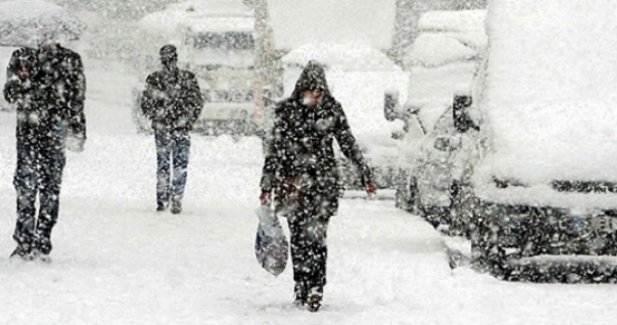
[300, 150]
[172, 100]
[18, 91]
[52, 96]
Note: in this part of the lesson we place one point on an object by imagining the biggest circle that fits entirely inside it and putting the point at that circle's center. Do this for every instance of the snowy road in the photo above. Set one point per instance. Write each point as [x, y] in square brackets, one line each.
[116, 261]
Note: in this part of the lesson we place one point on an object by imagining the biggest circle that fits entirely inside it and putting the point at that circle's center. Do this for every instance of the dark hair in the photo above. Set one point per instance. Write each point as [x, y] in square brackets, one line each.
[168, 52]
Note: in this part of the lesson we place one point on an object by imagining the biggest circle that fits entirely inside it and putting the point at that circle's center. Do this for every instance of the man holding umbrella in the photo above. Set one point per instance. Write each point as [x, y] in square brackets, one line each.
[47, 86]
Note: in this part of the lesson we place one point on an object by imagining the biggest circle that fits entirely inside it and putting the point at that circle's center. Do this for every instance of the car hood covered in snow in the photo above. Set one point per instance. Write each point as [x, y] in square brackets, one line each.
[550, 96]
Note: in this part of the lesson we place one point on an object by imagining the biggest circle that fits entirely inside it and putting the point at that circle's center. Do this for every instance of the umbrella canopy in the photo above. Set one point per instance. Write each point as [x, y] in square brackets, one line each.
[29, 22]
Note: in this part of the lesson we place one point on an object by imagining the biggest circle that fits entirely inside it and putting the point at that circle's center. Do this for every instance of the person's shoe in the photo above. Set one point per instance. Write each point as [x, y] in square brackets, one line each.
[176, 206]
[22, 252]
[41, 249]
[38, 255]
[161, 207]
[313, 302]
[300, 295]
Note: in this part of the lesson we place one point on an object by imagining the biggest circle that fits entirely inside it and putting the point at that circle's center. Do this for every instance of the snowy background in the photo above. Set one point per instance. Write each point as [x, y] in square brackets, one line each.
[116, 261]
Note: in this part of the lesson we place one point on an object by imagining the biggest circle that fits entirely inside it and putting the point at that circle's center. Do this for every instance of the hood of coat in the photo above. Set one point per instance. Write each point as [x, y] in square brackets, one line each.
[312, 77]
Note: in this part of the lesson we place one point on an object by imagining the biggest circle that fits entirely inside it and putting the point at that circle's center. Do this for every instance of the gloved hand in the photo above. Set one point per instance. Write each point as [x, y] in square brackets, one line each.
[265, 198]
[75, 142]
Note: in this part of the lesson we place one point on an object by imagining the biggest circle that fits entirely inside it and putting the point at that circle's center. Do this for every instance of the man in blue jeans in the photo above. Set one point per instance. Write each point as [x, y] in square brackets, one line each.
[172, 101]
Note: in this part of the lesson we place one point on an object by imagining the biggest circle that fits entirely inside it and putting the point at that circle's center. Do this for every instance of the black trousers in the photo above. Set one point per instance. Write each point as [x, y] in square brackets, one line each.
[308, 225]
[40, 164]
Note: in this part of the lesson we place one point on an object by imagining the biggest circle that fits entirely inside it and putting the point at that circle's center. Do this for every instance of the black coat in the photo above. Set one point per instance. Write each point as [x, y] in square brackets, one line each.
[52, 96]
[172, 100]
[300, 150]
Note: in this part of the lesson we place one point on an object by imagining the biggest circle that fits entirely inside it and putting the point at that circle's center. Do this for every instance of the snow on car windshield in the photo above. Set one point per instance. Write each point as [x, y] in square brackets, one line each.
[442, 59]
[551, 89]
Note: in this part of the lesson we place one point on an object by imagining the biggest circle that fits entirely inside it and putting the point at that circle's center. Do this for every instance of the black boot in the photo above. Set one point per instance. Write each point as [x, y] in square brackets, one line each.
[23, 252]
[313, 301]
[301, 293]
[176, 206]
[41, 249]
[161, 206]
[40, 256]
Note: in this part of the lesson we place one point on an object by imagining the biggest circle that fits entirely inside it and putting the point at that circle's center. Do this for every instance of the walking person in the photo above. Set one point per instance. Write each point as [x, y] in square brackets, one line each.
[172, 101]
[47, 86]
[300, 176]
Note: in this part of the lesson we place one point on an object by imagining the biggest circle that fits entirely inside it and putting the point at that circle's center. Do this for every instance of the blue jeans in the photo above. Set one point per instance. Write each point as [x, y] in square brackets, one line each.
[172, 146]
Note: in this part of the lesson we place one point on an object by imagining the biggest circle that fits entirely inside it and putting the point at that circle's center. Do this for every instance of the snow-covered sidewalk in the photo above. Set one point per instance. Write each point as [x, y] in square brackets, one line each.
[116, 261]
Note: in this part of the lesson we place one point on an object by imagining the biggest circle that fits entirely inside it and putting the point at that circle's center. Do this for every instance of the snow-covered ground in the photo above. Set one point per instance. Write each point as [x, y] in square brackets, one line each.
[116, 261]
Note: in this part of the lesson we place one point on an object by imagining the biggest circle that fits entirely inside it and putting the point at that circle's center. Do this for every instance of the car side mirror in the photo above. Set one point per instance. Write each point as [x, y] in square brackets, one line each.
[461, 102]
[390, 106]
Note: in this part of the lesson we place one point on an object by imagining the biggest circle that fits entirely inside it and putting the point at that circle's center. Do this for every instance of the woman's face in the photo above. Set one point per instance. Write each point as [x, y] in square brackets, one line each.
[312, 98]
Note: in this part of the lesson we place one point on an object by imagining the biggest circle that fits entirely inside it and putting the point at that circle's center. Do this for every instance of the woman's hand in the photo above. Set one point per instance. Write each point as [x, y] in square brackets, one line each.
[371, 189]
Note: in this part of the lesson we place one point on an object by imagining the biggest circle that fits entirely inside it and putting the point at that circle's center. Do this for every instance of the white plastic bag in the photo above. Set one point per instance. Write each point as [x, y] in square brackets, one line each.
[271, 245]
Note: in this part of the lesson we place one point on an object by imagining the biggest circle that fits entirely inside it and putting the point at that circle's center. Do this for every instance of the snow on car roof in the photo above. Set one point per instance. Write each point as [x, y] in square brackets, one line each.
[222, 24]
[213, 8]
[436, 49]
[345, 56]
[447, 36]
[200, 16]
[459, 21]
[550, 96]
[442, 59]
[297, 22]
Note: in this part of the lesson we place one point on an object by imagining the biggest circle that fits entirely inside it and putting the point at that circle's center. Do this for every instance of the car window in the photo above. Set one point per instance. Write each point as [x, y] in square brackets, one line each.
[415, 130]
[444, 125]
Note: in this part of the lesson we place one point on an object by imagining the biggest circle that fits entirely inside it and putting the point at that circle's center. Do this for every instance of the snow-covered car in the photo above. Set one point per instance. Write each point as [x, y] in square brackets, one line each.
[358, 75]
[442, 60]
[545, 184]
[216, 41]
[441, 166]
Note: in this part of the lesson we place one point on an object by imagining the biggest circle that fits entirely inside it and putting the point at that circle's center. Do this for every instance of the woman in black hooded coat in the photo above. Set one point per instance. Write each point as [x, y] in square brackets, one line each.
[300, 170]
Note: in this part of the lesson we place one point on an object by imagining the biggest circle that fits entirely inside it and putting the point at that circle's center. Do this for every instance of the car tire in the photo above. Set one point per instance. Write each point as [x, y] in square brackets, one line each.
[400, 199]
